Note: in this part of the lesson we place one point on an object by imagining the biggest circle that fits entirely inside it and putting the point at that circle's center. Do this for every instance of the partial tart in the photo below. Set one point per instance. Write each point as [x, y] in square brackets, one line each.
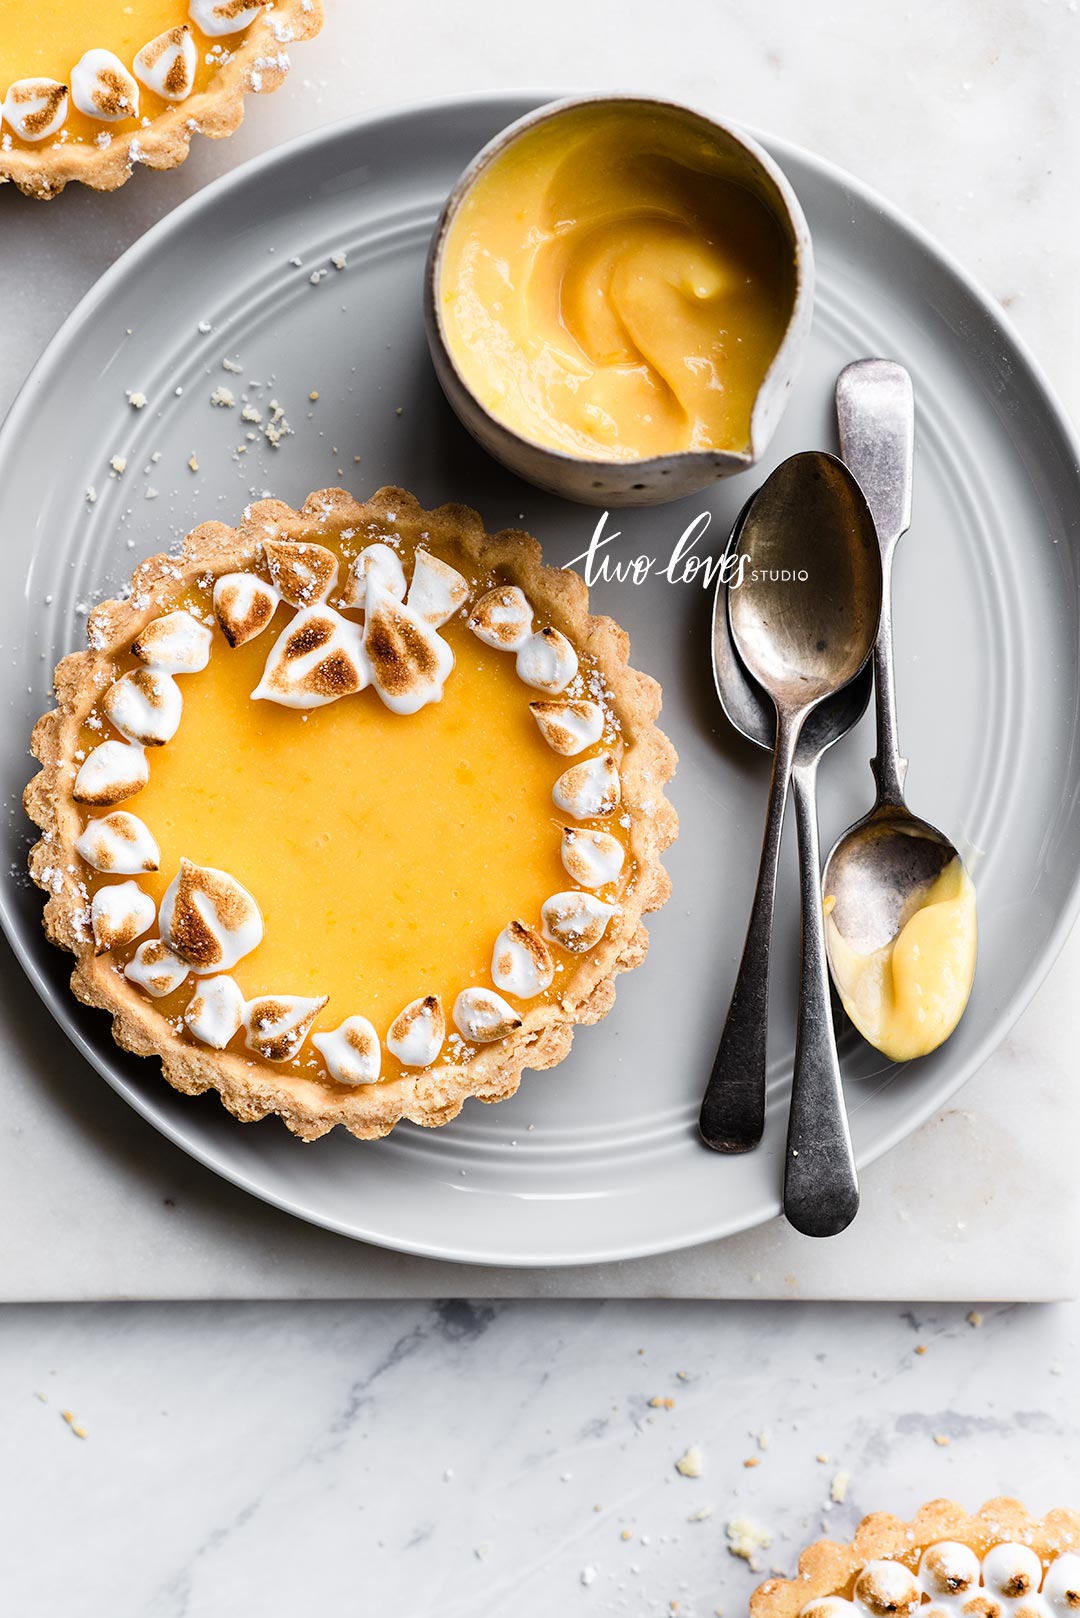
[92, 87]
[999, 1563]
[351, 812]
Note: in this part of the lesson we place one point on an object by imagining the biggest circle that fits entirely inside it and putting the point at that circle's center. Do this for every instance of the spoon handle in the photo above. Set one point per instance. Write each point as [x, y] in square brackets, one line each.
[821, 1186]
[733, 1110]
[875, 411]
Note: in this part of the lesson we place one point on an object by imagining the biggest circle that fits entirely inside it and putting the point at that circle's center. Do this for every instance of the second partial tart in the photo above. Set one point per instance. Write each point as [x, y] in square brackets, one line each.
[1000, 1562]
[351, 813]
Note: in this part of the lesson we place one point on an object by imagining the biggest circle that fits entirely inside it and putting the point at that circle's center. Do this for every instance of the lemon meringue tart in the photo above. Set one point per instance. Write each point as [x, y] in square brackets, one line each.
[92, 87]
[999, 1563]
[351, 813]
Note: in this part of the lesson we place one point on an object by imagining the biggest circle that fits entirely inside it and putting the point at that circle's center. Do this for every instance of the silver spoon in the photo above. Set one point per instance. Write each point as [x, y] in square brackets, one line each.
[821, 1184]
[803, 621]
[889, 856]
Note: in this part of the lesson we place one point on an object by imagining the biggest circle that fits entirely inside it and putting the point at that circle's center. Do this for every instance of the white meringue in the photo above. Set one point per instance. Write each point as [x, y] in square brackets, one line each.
[521, 962]
[547, 661]
[888, 1589]
[276, 1025]
[437, 590]
[948, 1569]
[576, 921]
[593, 858]
[409, 662]
[215, 1011]
[1062, 1587]
[352, 1053]
[167, 64]
[217, 17]
[569, 727]
[156, 968]
[244, 605]
[112, 772]
[416, 1034]
[482, 1015]
[1011, 1570]
[174, 644]
[119, 843]
[145, 706]
[503, 618]
[120, 913]
[303, 573]
[208, 918]
[316, 659]
[376, 564]
[34, 109]
[102, 87]
[589, 790]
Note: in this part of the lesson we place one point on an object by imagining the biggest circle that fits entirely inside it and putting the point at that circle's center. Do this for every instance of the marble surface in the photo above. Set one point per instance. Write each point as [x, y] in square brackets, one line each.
[964, 114]
[470, 1461]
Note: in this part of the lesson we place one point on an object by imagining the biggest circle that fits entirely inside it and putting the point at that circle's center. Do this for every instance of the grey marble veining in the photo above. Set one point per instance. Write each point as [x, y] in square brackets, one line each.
[469, 1460]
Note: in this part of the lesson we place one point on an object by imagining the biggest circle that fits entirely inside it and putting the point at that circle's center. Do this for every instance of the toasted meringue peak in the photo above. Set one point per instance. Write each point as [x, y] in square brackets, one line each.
[482, 1015]
[409, 661]
[217, 17]
[547, 661]
[576, 921]
[437, 590]
[208, 918]
[276, 1025]
[102, 87]
[316, 659]
[416, 1034]
[376, 564]
[352, 1053]
[34, 109]
[303, 573]
[166, 65]
[1062, 1587]
[503, 618]
[156, 968]
[949, 1569]
[119, 843]
[145, 706]
[244, 604]
[569, 727]
[593, 858]
[888, 1589]
[120, 913]
[215, 1011]
[112, 772]
[174, 644]
[589, 790]
[521, 962]
[1012, 1570]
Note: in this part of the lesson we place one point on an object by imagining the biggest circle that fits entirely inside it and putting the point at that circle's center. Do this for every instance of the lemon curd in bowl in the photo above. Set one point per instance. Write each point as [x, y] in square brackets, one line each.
[614, 283]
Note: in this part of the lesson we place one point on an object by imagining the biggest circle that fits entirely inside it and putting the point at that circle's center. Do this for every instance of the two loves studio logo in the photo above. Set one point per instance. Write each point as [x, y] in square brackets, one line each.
[684, 565]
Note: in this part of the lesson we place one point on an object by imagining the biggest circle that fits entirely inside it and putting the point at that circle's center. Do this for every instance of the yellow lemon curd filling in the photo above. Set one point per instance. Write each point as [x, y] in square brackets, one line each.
[45, 40]
[609, 290]
[386, 852]
[908, 996]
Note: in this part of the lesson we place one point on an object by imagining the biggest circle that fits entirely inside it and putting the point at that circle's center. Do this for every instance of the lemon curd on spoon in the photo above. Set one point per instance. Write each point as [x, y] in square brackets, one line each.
[609, 289]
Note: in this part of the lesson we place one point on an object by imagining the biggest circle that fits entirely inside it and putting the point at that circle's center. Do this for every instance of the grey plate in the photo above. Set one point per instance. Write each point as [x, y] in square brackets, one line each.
[598, 1159]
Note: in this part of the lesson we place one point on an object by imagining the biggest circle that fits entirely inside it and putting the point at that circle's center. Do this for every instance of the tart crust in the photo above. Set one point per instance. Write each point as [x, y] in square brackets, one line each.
[250, 1089]
[827, 1568]
[257, 64]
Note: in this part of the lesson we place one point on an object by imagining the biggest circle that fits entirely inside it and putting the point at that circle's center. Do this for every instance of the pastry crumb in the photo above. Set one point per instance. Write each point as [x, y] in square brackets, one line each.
[746, 1539]
[975, 1318]
[223, 398]
[691, 1464]
[661, 1402]
[136, 400]
[942, 1440]
[119, 464]
[193, 461]
[839, 1489]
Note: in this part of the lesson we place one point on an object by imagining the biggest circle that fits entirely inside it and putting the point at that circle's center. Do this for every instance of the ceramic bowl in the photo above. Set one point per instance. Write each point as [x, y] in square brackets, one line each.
[658, 478]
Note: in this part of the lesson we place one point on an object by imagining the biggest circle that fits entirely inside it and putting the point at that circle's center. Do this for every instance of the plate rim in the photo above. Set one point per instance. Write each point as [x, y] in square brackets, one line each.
[1028, 373]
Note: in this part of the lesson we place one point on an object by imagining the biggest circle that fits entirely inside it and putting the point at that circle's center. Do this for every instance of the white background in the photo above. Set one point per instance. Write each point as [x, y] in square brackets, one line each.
[293, 1458]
